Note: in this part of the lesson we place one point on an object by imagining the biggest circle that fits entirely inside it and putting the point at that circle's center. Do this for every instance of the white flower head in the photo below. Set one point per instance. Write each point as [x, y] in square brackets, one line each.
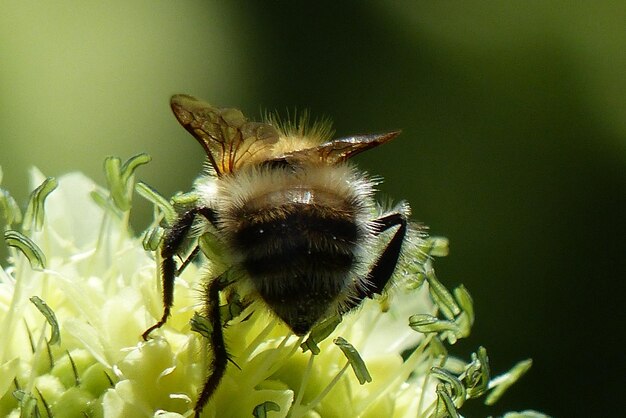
[79, 289]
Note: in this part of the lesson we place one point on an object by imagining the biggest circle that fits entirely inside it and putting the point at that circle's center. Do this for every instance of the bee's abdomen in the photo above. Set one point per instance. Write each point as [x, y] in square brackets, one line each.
[299, 257]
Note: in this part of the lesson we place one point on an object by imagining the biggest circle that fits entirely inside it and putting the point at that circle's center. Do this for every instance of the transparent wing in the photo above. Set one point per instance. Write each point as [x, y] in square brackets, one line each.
[229, 139]
[338, 150]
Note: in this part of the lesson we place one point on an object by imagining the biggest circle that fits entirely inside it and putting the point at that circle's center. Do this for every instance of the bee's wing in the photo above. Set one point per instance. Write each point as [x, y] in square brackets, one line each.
[339, 150]
[227, 136]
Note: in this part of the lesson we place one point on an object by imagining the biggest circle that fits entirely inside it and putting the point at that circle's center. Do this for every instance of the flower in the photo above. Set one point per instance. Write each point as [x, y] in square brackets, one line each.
[80, 288]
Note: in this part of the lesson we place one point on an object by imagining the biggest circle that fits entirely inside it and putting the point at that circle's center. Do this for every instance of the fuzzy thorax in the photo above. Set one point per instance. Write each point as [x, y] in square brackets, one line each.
[302, 236]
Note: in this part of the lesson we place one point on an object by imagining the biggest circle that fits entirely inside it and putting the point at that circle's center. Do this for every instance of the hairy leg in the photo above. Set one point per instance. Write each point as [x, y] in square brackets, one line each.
[217, 368]
[382, 270]
[171, 245]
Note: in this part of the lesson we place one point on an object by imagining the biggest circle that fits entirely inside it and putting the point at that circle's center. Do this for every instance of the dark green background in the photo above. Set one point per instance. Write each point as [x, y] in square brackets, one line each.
[513, 144]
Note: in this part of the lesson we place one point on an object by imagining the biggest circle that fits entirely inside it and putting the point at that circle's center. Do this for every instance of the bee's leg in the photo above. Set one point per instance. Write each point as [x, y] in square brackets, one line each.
[209, 214]
[383, 268]
[220, 356]
[193, 254]
[171, 244]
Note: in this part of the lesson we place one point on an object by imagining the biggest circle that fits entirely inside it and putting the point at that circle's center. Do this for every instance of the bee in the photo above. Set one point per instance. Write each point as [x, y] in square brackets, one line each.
[298, 220]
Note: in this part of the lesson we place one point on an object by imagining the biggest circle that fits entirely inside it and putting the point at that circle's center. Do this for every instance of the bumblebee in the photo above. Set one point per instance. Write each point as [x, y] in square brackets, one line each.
[298, 221]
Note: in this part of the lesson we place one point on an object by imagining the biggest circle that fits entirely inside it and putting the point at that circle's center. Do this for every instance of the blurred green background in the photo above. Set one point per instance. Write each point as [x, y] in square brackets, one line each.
[513, 144]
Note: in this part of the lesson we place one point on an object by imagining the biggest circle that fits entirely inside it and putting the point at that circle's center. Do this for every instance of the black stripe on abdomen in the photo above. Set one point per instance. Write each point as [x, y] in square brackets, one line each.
[299, 258]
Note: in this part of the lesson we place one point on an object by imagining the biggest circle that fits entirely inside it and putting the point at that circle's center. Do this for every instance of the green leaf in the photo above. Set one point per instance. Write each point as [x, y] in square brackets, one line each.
[501, 383]
[9, 209]
[445, 407]
[34, 215]
[151, 195]
[466, 303]
[185, 200]
[457, 390]
[48, 313]
[129, 167]
[426, 324]
[442, 297]
[476, 376]
[113, 174]
[355, 360]
[27, 247]
[319, 333]
[151, 238]
[119, 178]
